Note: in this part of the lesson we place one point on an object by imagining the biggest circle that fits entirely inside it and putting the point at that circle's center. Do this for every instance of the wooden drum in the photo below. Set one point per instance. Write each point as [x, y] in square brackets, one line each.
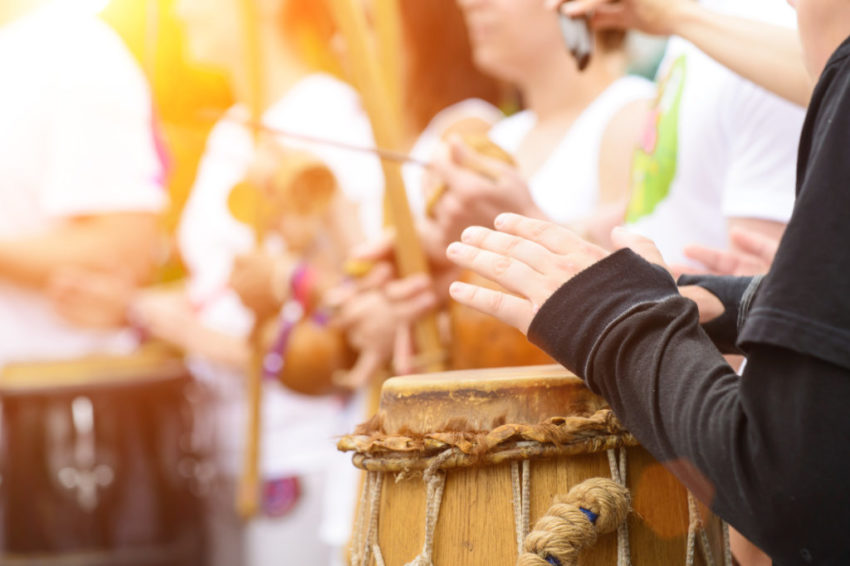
[99, 464]
[462, 465]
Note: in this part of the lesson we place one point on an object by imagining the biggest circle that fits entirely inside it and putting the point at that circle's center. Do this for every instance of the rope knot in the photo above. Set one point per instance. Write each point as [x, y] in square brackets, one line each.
[595, 506]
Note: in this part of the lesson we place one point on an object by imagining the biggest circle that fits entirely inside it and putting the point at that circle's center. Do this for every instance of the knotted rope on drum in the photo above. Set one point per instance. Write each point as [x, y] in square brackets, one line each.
[365, 536]
[521, 486]
[435, 479]
[619, 467]
[696, 530]
[595, 506]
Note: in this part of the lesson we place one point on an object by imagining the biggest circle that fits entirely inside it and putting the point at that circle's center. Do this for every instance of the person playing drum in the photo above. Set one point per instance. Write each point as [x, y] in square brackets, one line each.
[767, 449]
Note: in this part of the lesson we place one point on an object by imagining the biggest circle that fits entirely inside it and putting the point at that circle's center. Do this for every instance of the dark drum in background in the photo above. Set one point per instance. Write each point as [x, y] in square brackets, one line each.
[98, 464]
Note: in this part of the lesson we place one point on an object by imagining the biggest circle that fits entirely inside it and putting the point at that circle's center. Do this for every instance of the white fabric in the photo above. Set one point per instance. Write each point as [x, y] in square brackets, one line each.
[566, 186]
[298, 431]
[735, 156]
[76, 139]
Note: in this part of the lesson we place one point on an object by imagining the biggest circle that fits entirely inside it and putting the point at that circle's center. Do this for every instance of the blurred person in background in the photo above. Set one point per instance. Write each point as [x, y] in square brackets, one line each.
[80, 191]
[80, 175]
[718, 152]
[208, 320]
[571, 143]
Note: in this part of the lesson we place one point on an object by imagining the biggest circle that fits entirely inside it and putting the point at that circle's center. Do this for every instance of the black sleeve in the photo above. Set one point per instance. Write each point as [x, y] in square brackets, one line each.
[804, 302]
[731, 292]
[767, 450]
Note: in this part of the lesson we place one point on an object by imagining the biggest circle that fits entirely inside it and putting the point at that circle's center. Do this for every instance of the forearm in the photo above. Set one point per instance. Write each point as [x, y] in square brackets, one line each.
[743, 445]
[768, 55]
[122, 243]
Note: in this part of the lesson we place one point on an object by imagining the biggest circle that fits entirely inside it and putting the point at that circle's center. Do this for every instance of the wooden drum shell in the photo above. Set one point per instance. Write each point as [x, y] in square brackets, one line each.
[476, 525]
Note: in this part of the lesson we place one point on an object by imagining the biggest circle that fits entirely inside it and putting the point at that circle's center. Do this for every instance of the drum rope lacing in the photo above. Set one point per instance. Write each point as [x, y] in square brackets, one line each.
[521, 485]
[365, 544]
[380, 454]
[619, 467]
[377, 451]
[435, 479]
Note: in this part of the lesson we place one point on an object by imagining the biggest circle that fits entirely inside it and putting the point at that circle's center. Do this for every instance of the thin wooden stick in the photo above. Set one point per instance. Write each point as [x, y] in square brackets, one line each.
[385, 122]
[248, 491]
[382, 153]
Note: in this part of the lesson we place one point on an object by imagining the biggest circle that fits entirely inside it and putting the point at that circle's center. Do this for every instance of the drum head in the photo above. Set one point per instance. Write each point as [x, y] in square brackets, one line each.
[99, 372]
[481, 400]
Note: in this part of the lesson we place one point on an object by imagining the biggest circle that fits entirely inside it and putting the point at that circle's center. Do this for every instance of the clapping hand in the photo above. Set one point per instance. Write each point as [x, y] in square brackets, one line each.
[531, 259]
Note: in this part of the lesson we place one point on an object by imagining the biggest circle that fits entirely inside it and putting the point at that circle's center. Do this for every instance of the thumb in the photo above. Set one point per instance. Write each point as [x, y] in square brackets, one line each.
[641, 245]
[465, 156]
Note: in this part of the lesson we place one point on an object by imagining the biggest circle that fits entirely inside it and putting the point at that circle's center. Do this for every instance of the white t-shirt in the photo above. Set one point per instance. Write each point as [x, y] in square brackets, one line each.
[76, 138]
[298, 430]
[715, 147]
[566, 186]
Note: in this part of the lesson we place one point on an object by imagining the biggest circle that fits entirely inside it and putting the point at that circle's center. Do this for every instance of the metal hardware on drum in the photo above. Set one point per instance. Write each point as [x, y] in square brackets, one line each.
[87, 476]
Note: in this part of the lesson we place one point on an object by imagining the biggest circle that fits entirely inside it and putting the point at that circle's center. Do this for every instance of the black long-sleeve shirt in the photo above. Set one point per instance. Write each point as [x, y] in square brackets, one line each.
[769, 450]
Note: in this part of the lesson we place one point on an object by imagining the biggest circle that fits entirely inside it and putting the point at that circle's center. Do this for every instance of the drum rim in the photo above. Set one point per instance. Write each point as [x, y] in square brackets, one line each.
[102, 373]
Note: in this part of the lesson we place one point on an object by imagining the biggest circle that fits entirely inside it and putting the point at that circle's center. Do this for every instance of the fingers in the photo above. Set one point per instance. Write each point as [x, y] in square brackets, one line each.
[368, 364]
[380, 274]
[551, 236]
[759, 245]
[466, 157]
[355, 309]
[720, 262]
[679, 269]
[534, 255]
[378, 249]
[411, 298]
[577, 8]
[508, 272]
[509, 309]
[610, 16]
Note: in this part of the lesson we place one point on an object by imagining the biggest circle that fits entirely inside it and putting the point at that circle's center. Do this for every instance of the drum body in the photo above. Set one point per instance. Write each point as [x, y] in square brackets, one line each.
[97, 465]
[493, 421]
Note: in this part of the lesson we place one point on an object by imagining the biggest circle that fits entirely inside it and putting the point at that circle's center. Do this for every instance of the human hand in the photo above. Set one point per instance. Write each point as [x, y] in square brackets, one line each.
[91, 299]
[165, 314]
[750, 253]
[655, 17]
[479, 188]
[377, 322]
[531, 259]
